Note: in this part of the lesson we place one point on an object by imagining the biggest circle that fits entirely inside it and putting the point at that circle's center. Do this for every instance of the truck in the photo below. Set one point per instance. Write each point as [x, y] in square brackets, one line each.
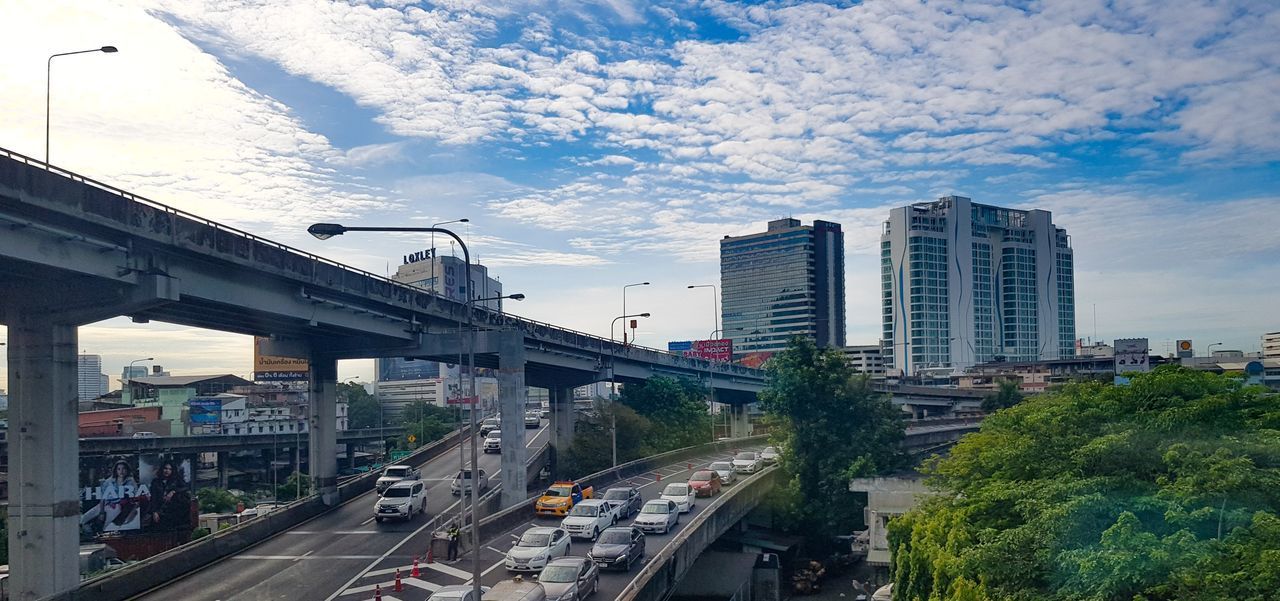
[396, 473]
[589, 518]
[560, 497]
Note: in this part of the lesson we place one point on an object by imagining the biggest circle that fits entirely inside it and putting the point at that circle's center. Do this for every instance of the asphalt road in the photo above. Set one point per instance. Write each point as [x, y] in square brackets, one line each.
[317, 558]
[381, 572]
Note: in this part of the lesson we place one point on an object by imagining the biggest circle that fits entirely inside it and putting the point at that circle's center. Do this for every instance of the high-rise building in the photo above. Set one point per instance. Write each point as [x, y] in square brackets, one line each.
[787, 281]
[964, 283]
[92, 382]
[1271, 345]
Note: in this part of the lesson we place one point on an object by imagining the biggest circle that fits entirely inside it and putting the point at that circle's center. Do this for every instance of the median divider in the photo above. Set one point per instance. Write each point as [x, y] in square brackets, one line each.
[162, 568]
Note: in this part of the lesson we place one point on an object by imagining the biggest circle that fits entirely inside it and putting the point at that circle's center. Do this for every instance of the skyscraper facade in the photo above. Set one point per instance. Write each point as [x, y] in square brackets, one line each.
[965, 283]
[784, 282]
[92, 383]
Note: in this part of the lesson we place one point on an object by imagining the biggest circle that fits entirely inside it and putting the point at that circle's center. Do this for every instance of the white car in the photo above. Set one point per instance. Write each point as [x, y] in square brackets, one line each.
[536, 547]
[589, 518]
[725, 469]
[657, 516]
[462, 482]
[395, 473]
[746, 462]
[769, 455]
[401, 500]
[456, 592]
[680, 494]
[493, 442]
[532, 419]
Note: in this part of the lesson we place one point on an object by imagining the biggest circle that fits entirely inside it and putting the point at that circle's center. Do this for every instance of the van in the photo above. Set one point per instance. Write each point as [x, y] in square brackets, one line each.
[516, 589]
[144, 434]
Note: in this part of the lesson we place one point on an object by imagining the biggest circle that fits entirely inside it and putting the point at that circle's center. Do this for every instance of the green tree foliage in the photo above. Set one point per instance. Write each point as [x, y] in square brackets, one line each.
[362, 408]
[677, 408]
[1008, 394]
[1164, 489]
[289, 490]
[426, 422]
[216, 500]
[832, 427]
[592, 448]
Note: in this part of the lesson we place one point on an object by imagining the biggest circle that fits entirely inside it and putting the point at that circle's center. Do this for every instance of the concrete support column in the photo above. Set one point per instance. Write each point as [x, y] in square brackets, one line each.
[44, 495]
[351, 455]
[323, 425]
[562, 417]
[512, 396]
[223, 458]
[739, 423]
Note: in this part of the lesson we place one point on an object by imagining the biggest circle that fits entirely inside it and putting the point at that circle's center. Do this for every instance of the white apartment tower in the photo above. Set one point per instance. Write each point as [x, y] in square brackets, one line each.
[964, 283]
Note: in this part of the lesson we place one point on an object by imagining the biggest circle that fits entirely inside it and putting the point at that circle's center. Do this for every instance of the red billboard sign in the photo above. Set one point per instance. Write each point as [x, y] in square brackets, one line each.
[720, 350]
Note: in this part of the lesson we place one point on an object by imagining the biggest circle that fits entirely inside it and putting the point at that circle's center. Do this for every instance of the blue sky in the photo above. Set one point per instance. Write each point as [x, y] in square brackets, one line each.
[593, 144]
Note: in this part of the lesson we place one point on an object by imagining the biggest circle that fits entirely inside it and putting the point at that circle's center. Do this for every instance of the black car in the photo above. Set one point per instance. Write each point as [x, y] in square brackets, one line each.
[626, 499]
[618, 547]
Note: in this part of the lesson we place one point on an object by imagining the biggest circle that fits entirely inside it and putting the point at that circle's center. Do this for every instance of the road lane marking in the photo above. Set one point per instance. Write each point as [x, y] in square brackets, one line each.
[444, 569]
[492, 567]
[495, 550]
[304, 555]
[390, 585]
[361, 574]
[300, 557]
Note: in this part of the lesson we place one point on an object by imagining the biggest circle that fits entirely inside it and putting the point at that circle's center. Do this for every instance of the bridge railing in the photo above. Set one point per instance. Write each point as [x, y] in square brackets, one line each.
[157, 221]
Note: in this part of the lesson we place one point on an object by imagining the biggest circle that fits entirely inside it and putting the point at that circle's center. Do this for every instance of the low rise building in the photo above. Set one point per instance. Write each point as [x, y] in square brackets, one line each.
[887, 497]
[172, 394]
[1271, 345]
[867, 359]
[123, 422]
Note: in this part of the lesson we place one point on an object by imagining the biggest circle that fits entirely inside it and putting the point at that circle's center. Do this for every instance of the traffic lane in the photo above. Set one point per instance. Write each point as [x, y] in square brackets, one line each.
[493, 551]
[320, 553]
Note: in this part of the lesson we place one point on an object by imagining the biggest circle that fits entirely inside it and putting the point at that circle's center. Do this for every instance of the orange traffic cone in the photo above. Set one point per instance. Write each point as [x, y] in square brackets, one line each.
[657, 476]
[377, 593]
[414, 573]
[399, 587]
[689, 466]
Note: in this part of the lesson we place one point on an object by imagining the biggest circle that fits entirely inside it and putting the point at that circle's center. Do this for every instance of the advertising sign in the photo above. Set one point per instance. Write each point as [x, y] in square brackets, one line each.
[680, 347]
[204, 411]
[1185, 350]
[271, 368]
[129, 494]
[720, 349]
[755, 360]
[1131, 356]
[397, 369]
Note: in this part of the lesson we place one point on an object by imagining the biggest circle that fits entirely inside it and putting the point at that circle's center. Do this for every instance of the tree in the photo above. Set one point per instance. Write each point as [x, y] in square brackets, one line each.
[289, 490]
[1167, 488]
[677, 408]
[216, 500]
[832, 427]
[363, 411]
[592, 449]
[1008, 394]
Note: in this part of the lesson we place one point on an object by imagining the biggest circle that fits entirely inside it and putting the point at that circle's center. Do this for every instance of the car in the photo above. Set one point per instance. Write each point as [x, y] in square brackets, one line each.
[705, 483]
[681, 494]
[488, 425]
[657, 516]
[456, 592]
[618, 547]
[560, 497]
[532, 419]
[395, 473]
[516, 589]
[144, 435]
[401, 500]
[769, 455]
[493, 442]
[626, 500]
[746, 462]
[589, 518]
[536, 548]
[570, 579]
[725, 469]
[462, 482]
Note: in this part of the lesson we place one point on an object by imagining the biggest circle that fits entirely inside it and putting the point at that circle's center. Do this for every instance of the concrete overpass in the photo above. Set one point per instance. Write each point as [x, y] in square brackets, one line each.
[116, 445]
[103, 252]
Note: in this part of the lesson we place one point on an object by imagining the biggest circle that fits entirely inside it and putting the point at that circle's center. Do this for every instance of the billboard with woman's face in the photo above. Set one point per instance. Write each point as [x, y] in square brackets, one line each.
[135, 493]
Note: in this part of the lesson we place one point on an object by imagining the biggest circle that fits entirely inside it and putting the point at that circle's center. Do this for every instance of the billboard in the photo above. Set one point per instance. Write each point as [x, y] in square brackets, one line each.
[272, 368]
[1131, 356]
[396, 369]
[204, 411]
[755, 360]
[720, 349]
[132, 494]
[1185, 350]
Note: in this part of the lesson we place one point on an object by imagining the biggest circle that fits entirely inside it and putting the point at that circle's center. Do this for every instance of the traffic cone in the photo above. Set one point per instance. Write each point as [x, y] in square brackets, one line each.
[688, 466]
[430, 559]
[657, 476]
[414, 573]
[377, 592]
[399, 587]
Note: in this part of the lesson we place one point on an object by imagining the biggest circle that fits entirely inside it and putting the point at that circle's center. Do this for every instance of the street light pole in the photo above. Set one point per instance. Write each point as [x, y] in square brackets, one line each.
[1209, 349]
[624, 307]
[324, 231]
[715, 297]
[434, 256]
[613, 387]
[128, 382]
[48, 88]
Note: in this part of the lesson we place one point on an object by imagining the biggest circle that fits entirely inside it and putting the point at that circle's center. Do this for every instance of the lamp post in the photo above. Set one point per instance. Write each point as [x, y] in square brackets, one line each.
[613, 387]
[129, 379]
[624, 307]
[1209, 349]
[715, 297]
[324, 231]
[48, 87]
[433, 251]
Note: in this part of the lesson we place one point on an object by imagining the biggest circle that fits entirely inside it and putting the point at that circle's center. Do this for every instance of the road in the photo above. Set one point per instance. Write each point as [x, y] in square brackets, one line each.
[316, 558]
[381, 572]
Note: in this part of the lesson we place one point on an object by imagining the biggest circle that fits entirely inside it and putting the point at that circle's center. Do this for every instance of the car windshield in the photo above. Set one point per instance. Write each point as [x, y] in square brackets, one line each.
[702, 476]
[398, 472]
[397, 492]
[558, 574]
[676, 490]
[655, 508]
[615, 537]
[616, 494]
[721, 466]
[447, 595]
[770, 450]
[534, 539]
[745, 455]
[588, 511]
[557, 491]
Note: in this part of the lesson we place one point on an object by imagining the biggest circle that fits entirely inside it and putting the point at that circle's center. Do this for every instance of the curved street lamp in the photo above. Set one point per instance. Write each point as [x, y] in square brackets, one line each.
[48, 86]
[624, 307]
[613, 386]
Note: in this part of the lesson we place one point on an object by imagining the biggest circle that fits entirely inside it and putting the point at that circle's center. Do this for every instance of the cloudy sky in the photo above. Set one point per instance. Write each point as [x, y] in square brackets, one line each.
[598, 143]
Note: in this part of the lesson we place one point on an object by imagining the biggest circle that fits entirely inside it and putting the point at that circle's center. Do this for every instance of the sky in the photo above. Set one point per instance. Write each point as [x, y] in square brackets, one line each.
[597, 143]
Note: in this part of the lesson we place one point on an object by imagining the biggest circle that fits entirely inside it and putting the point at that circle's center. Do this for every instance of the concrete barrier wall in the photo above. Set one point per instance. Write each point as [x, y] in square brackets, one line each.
[659, 577]
[174, 563]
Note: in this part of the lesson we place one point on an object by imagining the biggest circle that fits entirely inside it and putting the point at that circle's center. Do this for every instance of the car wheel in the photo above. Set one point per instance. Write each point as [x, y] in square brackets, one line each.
[595, 585]
[595, 534]
[379, 520]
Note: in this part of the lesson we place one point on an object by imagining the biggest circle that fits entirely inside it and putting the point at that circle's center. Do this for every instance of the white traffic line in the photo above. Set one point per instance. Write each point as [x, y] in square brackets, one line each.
[492, 567]
[342, 589]
[500, 552]
[430, 587]
[300, 557]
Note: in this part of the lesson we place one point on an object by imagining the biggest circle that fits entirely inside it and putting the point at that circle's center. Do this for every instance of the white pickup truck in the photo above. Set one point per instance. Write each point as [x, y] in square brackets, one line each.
[396, 473]
[589, 518]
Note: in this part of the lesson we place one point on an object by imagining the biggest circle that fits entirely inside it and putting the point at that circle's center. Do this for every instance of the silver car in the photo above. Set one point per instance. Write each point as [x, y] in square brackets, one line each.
[725, 469]
[658, 516]
[570, 579]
